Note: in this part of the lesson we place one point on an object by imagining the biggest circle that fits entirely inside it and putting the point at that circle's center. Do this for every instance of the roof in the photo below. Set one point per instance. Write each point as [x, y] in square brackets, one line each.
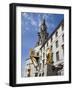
[62, 21]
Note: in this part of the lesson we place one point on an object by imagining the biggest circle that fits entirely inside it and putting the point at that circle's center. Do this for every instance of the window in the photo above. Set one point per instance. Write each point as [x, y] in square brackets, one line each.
[51, 39]
[43, 74]
[36, 74]
[41, 50]
[63, 37]
[63, 49]
[43, 62]
[57, 56]
[56, 43]
[43, 55]
[37, 53]
[52, 56]
[28, 73]
[51, 47]
[56, 34]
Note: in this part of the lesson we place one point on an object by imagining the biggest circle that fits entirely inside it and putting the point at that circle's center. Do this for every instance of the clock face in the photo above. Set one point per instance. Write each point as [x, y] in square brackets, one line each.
[43, 27]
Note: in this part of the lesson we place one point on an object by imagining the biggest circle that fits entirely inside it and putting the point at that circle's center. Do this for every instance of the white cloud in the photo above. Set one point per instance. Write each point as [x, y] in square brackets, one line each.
[33, 22]
[30, 19]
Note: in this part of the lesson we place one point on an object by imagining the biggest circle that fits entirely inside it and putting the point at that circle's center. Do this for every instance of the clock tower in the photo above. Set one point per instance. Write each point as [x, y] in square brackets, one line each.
[42, 34]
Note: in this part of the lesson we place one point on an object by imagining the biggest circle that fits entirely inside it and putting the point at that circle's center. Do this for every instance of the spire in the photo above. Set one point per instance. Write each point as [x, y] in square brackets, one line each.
[43, 21]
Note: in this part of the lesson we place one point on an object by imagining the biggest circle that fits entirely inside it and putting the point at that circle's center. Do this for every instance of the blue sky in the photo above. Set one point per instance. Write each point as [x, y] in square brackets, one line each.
[30, 23]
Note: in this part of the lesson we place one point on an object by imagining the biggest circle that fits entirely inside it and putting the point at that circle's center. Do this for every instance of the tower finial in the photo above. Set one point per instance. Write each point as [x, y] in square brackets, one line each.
[43, 20]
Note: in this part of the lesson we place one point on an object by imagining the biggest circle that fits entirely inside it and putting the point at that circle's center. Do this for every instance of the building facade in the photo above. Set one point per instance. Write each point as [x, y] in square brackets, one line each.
[47, 57]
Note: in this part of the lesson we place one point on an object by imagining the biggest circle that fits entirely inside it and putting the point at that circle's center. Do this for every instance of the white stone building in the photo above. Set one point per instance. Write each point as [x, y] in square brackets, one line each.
[56, 43]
